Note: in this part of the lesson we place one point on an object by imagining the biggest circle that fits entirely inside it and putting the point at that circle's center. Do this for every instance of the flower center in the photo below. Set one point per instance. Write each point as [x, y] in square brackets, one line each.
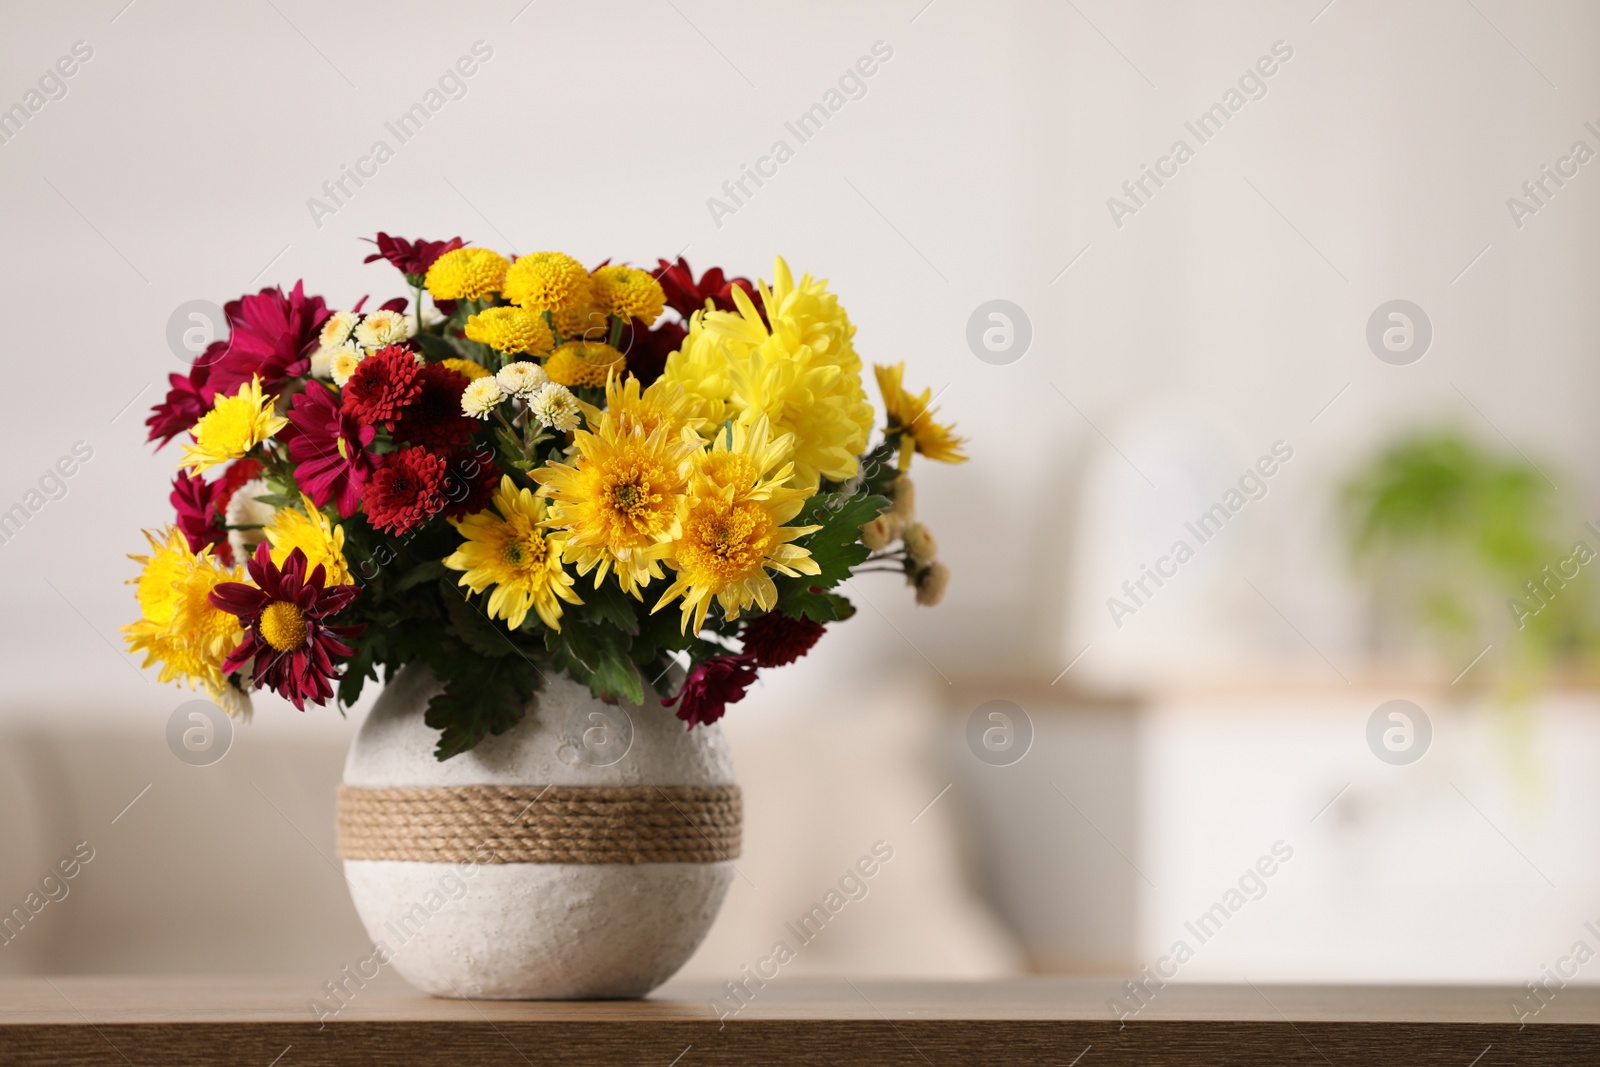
[284, 626]
[344, 452]
[725, 544]
[526, 551]
[629, 497]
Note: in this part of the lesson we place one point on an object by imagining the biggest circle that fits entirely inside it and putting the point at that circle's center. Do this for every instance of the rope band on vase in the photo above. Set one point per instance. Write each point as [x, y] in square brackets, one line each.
[541, 824]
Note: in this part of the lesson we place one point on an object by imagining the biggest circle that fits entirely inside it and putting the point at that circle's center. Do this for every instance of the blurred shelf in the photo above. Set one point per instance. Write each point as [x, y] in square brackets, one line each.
[122, 1021]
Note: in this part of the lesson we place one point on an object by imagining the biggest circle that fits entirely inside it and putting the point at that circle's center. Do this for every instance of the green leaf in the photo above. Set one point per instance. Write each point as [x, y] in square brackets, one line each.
[608, 606]
[423, 572]
[818, 607]
[476, 630]
[837, 546]
[598, 657]
[360, 667]
[479, 699]
[436, 348]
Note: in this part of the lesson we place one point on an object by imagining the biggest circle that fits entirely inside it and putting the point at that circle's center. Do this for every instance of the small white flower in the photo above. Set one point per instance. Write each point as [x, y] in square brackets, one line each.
[381, 328]
[245, 510]
[555, 406]
[235, 701]
[336, 331]
[343, 362]
[481, 397]
[522, 379]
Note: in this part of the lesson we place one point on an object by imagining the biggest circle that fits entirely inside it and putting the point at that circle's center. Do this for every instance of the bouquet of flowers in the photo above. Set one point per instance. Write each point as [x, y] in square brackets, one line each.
[521, 478]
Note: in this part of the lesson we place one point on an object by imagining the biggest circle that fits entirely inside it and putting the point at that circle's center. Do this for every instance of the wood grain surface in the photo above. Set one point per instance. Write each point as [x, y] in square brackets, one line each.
[1037, 1021]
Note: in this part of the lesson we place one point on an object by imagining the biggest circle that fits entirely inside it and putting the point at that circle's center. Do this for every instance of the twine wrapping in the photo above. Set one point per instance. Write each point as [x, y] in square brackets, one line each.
[541, 824]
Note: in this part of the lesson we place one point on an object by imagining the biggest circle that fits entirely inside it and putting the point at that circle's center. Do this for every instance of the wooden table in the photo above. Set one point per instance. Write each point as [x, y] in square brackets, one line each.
[166, 1022]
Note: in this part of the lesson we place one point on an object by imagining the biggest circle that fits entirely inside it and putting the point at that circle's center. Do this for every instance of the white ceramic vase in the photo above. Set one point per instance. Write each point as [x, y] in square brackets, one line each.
[482, 927]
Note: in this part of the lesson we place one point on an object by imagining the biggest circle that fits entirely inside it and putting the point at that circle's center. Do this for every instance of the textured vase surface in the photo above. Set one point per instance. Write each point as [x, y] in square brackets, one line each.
[480, 927]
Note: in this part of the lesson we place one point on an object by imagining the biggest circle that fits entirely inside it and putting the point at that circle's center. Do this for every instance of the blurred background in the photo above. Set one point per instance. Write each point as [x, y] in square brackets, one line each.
[1300, 286]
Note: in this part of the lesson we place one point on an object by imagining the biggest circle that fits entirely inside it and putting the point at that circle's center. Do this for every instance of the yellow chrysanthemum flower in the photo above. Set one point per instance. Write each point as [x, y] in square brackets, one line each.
[547, 281]
[586, 321]
[233, 426]
[512, 330]
[733, 530]
[588, 363]
[466, 274]
[629, 293]
[179, 628]
[662, 404]
[911, 419]
[468, 369]
[506, 548]
[621, 502]
[313, 533]
[802, 372]
[701, 367]
[750, 463]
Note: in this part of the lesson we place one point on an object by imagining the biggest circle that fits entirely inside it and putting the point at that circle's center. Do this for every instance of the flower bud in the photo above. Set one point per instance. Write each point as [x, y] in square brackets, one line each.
[931, 584]
[920, 544]
[878, 533]
[905, 498]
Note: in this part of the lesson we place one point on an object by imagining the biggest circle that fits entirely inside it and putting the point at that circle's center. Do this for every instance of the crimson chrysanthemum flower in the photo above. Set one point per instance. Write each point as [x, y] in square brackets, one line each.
[411, 258]
[712, 685]
[329, 450]
[286, 629]
[470, 483]
[188, 397]
[647, 350]
[686, 296]
[200, 521]
[271, 337]
[202, 507]
[775, 639]
[383, 384]
[406, 491]
[435, 419]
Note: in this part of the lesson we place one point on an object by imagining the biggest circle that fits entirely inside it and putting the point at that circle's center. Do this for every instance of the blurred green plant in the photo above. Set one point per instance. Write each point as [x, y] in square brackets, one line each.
[1454, 538]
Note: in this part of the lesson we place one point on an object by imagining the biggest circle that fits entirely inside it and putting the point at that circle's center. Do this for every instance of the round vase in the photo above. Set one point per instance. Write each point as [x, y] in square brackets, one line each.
[582, 854]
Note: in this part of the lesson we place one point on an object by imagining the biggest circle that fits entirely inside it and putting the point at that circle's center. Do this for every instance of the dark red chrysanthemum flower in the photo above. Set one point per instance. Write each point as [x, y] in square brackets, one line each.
[775, 639]
[411, 258]
[329, 450]
[647, 350]
[406, 491]
[199, 518]
[383, 383]
[435, 419]
[271, 336]
[188, 397]
[712, 685]
[202, 507]
[287, 633]
[686, 296]
[470, 483]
